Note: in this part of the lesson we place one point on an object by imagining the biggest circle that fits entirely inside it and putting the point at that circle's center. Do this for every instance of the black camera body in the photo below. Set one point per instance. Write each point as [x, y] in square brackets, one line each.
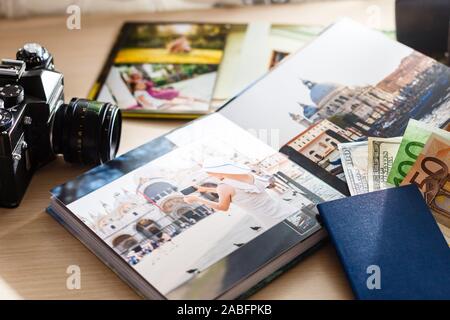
[36, 125]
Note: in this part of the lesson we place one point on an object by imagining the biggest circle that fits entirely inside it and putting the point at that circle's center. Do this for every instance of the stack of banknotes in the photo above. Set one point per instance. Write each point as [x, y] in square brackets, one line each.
[421, 156]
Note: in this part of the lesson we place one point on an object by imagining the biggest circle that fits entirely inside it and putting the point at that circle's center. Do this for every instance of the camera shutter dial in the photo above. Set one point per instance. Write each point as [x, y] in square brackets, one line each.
[12, 95]
[6, 119]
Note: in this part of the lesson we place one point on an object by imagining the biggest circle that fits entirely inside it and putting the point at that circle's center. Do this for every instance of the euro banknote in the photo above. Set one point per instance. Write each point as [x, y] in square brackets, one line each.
[414, 139]
[431, 174]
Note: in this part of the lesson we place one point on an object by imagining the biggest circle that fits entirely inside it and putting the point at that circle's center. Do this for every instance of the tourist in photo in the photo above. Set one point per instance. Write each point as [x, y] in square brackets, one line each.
[240, 187]
[143, 98]
[151, 98]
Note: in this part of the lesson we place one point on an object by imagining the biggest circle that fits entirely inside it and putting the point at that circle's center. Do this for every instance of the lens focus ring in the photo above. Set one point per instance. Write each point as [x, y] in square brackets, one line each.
[86, 131]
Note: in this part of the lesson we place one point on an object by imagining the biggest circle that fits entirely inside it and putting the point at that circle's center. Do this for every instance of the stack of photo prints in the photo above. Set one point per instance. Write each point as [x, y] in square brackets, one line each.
[219, 206]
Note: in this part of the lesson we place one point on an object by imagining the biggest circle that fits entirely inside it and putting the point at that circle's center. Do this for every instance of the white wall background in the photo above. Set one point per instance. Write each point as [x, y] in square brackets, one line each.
[24, 8]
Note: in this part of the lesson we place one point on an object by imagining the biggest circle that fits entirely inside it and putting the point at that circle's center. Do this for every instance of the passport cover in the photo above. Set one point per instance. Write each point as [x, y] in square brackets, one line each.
[394, 230]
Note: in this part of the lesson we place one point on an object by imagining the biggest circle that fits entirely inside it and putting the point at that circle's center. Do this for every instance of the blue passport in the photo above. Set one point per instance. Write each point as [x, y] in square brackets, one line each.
[389, 244]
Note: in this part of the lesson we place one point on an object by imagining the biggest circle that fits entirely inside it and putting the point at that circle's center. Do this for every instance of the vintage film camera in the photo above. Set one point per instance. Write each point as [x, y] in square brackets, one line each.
[36, 124]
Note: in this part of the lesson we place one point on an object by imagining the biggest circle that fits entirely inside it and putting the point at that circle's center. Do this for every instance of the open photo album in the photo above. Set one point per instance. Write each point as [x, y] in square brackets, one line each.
[220, 206]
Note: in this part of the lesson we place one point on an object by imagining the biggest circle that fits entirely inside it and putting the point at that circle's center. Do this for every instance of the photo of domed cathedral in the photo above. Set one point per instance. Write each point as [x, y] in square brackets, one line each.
[418, 88]
[148, 218]
[165, 217]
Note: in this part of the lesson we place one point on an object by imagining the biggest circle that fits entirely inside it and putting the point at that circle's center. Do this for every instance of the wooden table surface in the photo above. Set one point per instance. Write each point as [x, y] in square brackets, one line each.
[35, 251]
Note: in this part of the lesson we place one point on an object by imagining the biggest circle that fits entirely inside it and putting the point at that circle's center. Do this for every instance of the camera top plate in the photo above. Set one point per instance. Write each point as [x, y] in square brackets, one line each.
[12, 68]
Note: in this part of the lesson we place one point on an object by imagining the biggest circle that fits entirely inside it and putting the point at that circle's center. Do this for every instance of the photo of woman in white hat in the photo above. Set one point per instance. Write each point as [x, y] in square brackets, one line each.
[240, 187]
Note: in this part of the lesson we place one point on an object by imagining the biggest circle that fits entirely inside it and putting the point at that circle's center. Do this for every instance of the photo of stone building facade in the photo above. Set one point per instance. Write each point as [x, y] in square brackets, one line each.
[341, 113]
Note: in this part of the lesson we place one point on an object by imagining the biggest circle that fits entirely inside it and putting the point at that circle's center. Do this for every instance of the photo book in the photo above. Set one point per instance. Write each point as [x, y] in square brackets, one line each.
[223, 204]
[185, 70]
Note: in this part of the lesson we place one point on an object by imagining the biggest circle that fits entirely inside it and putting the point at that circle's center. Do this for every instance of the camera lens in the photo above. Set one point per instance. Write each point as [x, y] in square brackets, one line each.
[86, 131]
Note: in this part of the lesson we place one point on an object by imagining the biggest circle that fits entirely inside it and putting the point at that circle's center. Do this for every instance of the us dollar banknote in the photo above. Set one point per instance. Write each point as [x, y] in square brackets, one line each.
[354, 162]
[431, 174]
[381, 155]
[414, 139]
